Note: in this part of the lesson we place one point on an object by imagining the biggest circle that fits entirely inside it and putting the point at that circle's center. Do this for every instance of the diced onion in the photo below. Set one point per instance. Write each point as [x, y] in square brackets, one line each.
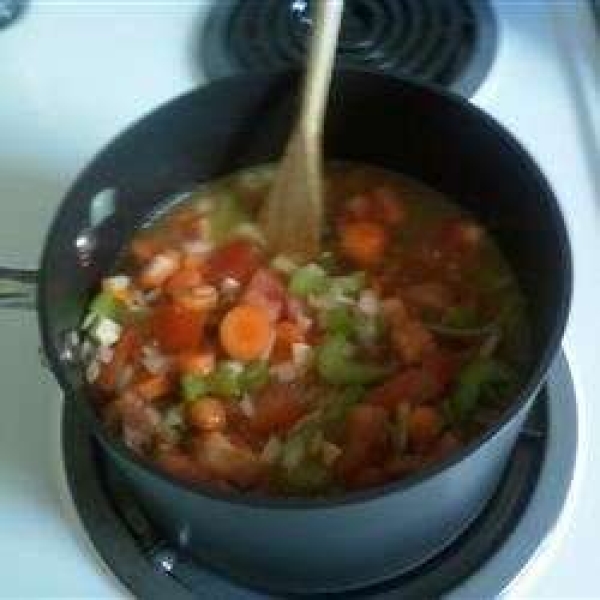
[230, 285]
[301, 355]
[106, 331]
[284, 372]
[271, 450]
[72, 339]
[316, 443]
[304, 322]
[124, 377]
[86, 350]
[202, 298]
[205, 204]
[198, 247]
[284, 264]
[161, 267]
[117, 282]
[247, 406]
[89, 320]
[251, 232]
[234, 366]
[151, 296]
[93, 371]
[331, 452]
[173, 417]
[368, 302]
[105, 354]
[156, 363]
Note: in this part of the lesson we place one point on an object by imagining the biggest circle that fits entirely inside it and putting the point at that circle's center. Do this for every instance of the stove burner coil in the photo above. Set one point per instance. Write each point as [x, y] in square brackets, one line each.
[446, 42]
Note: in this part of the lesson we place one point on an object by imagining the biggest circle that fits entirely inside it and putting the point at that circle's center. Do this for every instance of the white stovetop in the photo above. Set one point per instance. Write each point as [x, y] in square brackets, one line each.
[73, 73]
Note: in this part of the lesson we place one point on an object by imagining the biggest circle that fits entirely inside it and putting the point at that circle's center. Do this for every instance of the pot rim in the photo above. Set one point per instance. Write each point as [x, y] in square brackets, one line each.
[522, 398]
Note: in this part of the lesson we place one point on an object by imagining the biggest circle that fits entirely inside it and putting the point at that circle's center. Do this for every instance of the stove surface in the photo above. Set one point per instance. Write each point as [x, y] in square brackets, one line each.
[73, 74]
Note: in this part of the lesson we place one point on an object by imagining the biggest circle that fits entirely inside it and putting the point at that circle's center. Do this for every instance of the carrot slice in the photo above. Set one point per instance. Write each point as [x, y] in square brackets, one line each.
[193, 363]
[246, 332]
[364, 243]
[424, 426]
[145, 247]
[152, 387]
[184, 279]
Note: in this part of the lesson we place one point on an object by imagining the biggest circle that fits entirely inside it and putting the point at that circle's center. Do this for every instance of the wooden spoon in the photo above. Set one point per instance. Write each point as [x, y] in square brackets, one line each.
[292, 215]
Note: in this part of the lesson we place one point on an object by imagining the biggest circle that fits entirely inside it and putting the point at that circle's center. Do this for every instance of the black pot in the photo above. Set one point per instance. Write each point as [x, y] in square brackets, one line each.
[433, 136]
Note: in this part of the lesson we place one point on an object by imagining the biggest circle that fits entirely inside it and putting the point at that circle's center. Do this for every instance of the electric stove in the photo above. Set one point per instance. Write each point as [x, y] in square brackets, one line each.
[73, 74]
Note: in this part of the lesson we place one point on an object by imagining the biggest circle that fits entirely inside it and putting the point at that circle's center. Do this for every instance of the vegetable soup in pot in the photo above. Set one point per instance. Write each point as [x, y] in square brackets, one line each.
[226, 365]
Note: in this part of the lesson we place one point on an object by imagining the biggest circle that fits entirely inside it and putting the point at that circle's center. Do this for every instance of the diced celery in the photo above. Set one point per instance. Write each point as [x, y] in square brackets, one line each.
[227, 214]
[460, 317]
[481, 380]
[254, 376]
[368, 328]
[309, 476]
[328, 261]
[340, 320]
[337, 408]
[225, 380]
[104, 305]
[337, 366]
[349, 285]
[311, 279]
[194, 386]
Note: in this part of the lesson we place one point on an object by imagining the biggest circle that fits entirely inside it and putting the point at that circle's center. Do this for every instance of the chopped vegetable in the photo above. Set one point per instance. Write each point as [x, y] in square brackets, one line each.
[336, 409]
[309, 476]
[348, 285]
[199, 363]
[246, 332]
[424, 426]
[104, 305]
[176, 328]
[194, 386]
[232, 367]
[228, 214]
[105, 331]
[284, 264]
[287, 333]
[237, 260]
[461, 317]
[152, 387]
[225, 380]
[254, 376]
[271, 451]
[479, 381]
[337, 365]
[159, 269]
[340, 320]
[207, 414]
[363, 242]
[277, 408]
[311, 279]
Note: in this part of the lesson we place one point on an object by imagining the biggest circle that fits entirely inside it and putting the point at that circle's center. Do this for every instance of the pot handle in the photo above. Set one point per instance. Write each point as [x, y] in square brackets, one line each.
[18, 288]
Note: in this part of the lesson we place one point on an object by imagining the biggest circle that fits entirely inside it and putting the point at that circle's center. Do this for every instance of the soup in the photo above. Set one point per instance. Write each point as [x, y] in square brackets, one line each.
[225, 365]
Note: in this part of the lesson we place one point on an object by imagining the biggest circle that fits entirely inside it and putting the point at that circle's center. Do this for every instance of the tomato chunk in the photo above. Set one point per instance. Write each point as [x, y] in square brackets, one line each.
[277, 409]
[177, 329]
[266, 291]
[413, 385]
[237, 260]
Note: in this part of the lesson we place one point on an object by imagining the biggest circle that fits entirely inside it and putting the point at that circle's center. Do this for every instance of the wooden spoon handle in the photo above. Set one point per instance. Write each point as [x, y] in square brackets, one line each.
[326, 19]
